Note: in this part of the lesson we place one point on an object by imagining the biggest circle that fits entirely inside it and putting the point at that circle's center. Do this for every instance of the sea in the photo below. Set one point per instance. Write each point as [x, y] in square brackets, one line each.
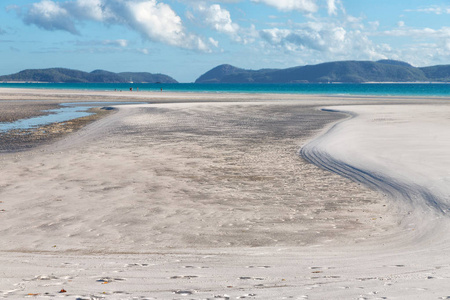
[382, 89]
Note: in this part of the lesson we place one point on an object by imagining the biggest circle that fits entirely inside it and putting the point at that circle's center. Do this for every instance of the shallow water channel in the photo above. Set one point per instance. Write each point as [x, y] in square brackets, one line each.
[67, 112]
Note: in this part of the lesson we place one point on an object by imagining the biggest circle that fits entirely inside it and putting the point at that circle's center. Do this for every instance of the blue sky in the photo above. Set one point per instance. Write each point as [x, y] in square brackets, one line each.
[185, 38]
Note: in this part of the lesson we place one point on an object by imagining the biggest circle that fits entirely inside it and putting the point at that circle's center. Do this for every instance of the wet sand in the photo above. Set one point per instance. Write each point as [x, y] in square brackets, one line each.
[200, 196]
[17, 140]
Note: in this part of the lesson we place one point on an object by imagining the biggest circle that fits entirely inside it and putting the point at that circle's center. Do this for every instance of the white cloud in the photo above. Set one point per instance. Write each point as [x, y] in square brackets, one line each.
[331, 6]
[374, 25]
[316, 36]
[143, 51]
[118, 43]
[218, 18]
[88, 9]
[401, 24]
[121, 43]
[213, 42]
[418, 33]
[432, 9]
[446, 45]
[155, 21]
[50, 15]
[328, 40]
[13, 7]
[424, 54]
[419, 46]
[304, 6]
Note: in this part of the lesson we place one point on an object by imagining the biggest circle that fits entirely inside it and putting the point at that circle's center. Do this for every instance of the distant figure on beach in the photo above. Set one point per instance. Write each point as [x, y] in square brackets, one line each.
[161, 89]
[131, 89]
[137, 89]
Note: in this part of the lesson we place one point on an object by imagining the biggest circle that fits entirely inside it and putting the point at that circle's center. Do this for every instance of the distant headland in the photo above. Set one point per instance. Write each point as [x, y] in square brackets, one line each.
[74, 76]
[330, 72]
[340, 71]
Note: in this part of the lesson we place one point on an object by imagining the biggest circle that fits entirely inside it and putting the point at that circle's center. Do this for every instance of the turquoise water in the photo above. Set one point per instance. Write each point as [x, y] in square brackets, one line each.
[68, 111]
[407, 89]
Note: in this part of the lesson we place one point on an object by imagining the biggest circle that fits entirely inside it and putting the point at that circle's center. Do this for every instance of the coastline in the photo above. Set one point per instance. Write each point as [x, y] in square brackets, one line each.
[351, 89]
[204, 196]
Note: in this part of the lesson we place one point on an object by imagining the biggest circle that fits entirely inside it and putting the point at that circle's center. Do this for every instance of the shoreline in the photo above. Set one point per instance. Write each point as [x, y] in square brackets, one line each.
[178, 95]
[51, 98]
[68, 95]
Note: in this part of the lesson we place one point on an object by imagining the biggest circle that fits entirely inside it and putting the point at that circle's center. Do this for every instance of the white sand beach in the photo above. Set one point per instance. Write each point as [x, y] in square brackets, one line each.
[206, 196]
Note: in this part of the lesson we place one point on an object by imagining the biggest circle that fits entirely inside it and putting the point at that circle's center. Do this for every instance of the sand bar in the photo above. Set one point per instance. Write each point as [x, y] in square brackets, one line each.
[204, 196]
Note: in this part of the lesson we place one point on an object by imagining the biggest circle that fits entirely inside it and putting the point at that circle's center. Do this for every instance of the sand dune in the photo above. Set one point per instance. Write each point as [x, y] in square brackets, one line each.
[211, 200]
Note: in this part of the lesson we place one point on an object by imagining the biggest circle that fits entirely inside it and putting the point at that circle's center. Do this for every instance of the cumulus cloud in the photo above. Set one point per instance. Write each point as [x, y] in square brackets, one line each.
[89, 9]
[218, 18]
[332, 7]
[424, 54]
[330, 40]
[421, 46]
[305, 6]
[313, 36]
[50, 15]
[432, 9]
[418, 33]
[155, 21]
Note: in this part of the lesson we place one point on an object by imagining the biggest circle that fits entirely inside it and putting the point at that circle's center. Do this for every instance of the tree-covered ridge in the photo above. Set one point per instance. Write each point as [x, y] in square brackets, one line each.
[75, 76]
[340, 71]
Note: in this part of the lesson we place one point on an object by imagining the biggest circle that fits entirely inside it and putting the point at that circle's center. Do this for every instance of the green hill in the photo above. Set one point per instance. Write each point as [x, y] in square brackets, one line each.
[341, 71]
[437, 73]
[75, 76]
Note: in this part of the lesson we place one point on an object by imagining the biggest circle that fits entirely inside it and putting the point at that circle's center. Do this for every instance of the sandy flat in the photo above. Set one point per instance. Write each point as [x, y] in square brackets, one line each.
[202, 196]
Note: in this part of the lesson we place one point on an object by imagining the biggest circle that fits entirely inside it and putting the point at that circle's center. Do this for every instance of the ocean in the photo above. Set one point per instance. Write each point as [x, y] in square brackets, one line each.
[385, 89]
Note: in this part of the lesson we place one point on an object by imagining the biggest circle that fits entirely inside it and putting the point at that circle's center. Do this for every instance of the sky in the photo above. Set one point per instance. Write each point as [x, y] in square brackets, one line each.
[186, 38]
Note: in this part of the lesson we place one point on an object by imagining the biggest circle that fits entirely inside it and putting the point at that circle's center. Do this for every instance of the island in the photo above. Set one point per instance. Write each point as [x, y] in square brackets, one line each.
[339, 71]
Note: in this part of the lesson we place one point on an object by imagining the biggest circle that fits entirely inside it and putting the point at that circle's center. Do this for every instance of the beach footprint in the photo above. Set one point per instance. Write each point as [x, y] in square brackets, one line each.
[183, 277]
[184, 292]
[109, 279]
[251, 278]
[224, 297]
[251, 295]
[42, 277]
[136, 265]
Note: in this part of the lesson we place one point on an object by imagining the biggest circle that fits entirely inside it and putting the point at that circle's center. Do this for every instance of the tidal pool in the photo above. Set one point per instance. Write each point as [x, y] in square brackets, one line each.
[67, 112]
